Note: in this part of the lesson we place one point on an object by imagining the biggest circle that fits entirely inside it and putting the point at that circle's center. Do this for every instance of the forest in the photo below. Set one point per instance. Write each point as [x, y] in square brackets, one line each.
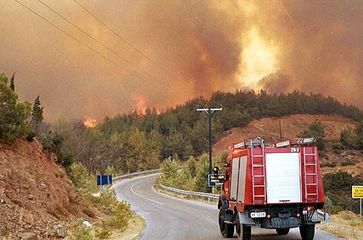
[133, 142]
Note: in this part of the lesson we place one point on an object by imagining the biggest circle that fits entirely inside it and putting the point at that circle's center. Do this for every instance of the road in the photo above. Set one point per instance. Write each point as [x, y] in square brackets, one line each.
[172, 218]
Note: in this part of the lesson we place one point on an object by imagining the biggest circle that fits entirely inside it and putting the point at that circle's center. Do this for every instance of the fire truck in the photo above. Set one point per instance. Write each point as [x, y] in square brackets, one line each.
[274, 186]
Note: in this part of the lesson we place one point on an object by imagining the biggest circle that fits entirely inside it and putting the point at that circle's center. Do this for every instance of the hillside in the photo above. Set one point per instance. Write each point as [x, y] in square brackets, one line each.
[291, 125]
[268, 128]
[35, 192]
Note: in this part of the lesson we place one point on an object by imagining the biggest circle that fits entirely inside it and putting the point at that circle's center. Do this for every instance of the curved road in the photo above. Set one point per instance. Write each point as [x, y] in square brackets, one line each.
[172, 218]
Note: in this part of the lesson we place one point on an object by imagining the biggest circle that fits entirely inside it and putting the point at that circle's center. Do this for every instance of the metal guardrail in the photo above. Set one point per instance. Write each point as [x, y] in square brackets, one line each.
[323, 216]
[135, 174]
[208, 196]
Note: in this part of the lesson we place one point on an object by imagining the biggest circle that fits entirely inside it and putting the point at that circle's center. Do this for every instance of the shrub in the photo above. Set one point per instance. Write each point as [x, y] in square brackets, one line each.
[81, 232]
[84, 182]
[348, 162]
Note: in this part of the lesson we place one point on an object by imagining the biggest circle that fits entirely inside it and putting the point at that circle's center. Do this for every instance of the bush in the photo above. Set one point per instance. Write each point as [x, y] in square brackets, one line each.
[315, 130]
[348, 162]
[329, 164]
[119, 212]
[84, 182]
[81, 232]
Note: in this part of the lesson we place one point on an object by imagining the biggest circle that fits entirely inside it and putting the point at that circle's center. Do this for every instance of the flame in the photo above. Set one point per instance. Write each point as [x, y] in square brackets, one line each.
[140, 103]
[89, 122]
[259, 58]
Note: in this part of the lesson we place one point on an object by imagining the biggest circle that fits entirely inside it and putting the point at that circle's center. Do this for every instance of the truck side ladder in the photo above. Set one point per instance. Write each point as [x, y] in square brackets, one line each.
[311, 181]
[258, 179]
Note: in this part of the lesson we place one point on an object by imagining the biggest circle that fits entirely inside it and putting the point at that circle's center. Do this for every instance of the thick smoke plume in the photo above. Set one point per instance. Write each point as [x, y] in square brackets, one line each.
[175, 50]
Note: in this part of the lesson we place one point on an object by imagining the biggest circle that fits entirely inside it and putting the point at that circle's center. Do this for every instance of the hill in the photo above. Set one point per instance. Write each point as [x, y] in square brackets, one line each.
[332, 160]
[35, 192]
[291, 125]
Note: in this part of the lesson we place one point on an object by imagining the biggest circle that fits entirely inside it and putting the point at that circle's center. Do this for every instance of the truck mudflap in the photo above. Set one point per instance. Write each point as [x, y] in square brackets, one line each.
[245, 219]
[273, 223]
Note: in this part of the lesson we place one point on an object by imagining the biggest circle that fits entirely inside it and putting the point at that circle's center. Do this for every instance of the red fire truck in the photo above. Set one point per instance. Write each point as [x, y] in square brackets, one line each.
[271, 186]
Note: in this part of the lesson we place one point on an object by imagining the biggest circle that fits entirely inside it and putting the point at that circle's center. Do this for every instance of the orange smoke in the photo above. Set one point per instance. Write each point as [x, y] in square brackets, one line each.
[89, 122]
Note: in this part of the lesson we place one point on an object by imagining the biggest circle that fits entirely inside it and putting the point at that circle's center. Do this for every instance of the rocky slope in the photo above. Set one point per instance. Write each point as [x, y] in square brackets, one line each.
[36, 195]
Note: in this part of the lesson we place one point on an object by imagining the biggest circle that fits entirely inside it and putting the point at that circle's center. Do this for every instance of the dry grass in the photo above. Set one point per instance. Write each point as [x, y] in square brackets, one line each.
[345, 225]
[134, 231]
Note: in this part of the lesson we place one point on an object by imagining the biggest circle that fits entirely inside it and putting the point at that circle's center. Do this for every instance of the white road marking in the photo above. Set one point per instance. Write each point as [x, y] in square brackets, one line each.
[148, 199]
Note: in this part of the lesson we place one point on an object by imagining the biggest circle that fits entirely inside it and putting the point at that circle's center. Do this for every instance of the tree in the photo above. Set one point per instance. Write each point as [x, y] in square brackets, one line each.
[13, 114]
[12, 82]
[347, 138]
[315, 130]
[359, 134]
[37, 114]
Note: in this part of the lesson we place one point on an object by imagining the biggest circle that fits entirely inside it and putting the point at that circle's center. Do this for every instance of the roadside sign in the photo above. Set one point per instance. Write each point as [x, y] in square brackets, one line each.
[215, 180]
[357, 191]
[104, 180]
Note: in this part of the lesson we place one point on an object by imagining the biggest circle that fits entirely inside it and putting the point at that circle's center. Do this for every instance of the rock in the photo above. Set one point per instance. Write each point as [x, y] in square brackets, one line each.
[87, 224]
[59, 231]
[29, 236]
[30, 197]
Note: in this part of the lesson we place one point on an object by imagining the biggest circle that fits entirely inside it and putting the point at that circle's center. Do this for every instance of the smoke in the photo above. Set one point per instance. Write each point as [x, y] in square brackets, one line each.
[180, 50]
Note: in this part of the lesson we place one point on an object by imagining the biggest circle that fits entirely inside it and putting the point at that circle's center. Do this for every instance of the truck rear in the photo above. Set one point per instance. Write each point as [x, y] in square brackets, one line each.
[271, 186]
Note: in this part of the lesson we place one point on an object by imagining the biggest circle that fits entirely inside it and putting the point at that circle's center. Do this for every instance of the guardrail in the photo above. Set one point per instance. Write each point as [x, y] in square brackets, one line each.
[323, 216]
[135, 174]
[186, 193]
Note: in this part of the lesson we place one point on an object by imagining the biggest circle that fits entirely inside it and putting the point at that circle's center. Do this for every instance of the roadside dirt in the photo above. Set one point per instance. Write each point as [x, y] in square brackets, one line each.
[36, 195]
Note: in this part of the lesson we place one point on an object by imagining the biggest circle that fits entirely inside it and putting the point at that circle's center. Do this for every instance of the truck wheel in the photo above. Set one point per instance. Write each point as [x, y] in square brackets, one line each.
[282, 231]
[226, 229]
[246, 232]
[307, 232]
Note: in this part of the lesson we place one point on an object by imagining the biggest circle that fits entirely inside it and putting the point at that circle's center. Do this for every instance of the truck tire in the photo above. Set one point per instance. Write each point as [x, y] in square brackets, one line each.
[246, 232]
[282, 231]
[226, 229]
[307, 232]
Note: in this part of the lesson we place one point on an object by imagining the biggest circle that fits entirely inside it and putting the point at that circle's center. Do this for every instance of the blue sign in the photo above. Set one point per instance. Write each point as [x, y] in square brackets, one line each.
[215, 180]
[104, 180]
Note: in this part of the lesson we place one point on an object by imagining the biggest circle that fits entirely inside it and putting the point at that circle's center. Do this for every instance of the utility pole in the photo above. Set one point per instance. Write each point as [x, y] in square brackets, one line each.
[210, 112]
[280, 130]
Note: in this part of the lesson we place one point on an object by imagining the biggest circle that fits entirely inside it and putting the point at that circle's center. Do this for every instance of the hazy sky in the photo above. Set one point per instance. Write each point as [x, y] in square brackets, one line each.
[162, 52]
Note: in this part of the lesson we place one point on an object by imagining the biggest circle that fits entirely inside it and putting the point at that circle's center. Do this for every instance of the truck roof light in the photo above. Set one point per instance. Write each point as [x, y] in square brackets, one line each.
[239, 145]
[283, 144]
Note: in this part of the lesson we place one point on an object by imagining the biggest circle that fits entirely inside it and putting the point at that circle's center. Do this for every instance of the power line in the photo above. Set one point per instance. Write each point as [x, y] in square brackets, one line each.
[120, 37]
[79, 42]
[93, 38]
[90, 48]
[102, 44]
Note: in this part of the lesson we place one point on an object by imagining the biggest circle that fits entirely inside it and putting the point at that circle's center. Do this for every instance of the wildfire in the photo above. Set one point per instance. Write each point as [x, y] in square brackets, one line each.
[259, 59]
[89, 122]
[140, 103]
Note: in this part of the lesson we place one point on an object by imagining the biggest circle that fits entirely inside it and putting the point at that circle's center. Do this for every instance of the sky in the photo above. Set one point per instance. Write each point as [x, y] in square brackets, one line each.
[97, 58]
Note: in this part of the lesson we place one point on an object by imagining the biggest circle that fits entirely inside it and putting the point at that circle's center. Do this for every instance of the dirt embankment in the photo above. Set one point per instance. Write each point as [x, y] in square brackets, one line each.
[35, 193]
[268, 129]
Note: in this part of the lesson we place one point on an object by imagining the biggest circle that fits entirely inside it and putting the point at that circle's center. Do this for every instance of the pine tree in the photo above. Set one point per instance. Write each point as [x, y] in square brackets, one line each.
[37, 114]
[12, 82]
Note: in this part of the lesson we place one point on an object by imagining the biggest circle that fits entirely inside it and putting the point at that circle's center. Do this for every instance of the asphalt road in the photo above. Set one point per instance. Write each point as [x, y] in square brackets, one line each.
[172, 218]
